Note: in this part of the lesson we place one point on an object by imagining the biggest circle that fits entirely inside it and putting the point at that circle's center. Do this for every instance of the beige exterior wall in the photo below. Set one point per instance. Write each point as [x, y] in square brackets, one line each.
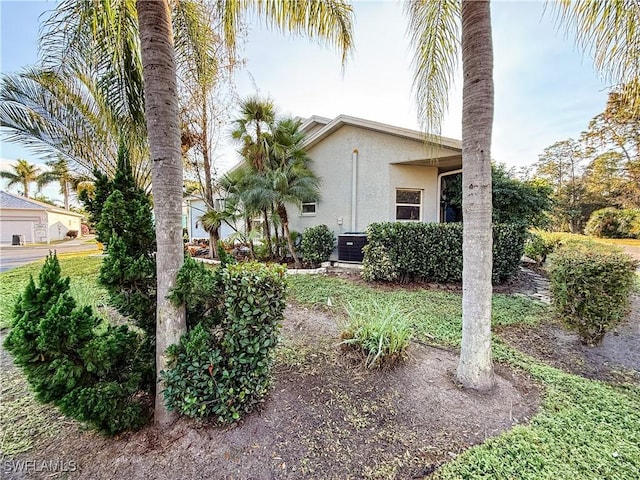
[60, 224]
[377, 179]
[420, 178]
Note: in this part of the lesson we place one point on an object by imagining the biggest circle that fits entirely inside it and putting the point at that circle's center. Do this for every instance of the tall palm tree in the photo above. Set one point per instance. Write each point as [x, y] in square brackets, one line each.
[330, 20]
[60, 173]
[434, 30]
[24, 173]
[257, 117]
[605, 28]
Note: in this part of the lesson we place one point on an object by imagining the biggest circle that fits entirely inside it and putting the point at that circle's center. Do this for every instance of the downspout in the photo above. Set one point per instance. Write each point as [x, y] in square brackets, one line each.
[354, 190]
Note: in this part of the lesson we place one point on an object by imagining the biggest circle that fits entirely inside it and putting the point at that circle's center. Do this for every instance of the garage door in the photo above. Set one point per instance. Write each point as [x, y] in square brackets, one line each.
[17, 226]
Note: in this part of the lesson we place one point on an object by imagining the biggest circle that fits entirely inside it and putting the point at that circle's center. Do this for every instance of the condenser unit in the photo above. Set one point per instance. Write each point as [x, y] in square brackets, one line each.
[350, 247]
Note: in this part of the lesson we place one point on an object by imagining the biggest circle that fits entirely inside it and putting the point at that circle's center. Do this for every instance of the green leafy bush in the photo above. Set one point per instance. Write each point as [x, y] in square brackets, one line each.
[538, 247]
[381, 332]
[590, 288]
[71, 360]
[224, 370]
[433, 251]
[201, 290]
[317, 244]
[614, 223]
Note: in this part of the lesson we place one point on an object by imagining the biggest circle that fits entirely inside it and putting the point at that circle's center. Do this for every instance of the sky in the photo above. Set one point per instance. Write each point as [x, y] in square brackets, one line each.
[546, 90]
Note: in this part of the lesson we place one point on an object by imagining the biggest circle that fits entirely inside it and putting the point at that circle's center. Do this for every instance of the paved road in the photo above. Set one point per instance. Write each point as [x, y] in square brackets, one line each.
[12, 256]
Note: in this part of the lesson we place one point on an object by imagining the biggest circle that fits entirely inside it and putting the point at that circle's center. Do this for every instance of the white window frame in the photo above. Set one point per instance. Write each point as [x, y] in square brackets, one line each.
[309, 214]
[419, 204]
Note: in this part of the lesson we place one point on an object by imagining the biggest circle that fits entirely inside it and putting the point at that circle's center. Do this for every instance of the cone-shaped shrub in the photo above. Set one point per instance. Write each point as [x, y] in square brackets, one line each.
[71, 360]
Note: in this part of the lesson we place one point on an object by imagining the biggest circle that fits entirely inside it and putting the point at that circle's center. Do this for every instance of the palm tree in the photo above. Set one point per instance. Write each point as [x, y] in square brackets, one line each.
[60, 173]
[605, 28]
[23, 174]
[608, 30]
[434, 34]
[329, 20]
[285, 176]
[252, 129]
[86, 94]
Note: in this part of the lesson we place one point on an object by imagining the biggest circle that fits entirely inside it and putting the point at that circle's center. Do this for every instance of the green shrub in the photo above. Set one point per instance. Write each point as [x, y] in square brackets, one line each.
[222, 371]
[317, 244]
[201, 290]
[433, 252]
[590, 288]
[68, 357]
[539, 246]
[614, 223]
[381, 332]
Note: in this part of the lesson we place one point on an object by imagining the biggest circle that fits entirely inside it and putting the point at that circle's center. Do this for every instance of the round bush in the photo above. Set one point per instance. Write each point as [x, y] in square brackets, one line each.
[614, 223]
[590, 288]
[317, 244]
[223, 370]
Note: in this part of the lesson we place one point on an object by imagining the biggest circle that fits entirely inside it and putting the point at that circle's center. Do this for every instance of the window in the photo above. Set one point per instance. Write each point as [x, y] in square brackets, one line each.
[408, 205]
[308, 209]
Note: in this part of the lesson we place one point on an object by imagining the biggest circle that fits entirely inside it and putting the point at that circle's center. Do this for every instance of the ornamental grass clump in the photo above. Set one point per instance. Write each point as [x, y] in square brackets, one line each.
[380, 332]
[591, 288]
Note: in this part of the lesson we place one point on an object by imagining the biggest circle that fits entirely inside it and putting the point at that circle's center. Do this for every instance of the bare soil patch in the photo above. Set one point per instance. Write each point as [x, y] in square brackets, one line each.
[616, 359]
[325, 418]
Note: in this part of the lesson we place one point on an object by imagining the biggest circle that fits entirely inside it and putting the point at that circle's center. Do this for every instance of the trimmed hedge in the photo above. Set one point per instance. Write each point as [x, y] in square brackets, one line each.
[590, 288]
[222, 366]
[433, 252]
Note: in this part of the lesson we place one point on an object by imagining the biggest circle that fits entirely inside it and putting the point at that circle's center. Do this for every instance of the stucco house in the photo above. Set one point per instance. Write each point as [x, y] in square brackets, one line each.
[374, 172]
[34, 221]
[192, 209]
[370, 172]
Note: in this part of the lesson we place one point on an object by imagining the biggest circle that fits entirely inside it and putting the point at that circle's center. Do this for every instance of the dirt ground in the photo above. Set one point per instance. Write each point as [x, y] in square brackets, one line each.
[326, 418]
[616, 359]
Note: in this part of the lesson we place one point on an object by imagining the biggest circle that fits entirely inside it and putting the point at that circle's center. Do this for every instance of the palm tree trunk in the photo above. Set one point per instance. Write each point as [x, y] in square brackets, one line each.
[65, 194]
[161, 105]
[284, 218]
[267, 231]
[278, 253]
[475, 369]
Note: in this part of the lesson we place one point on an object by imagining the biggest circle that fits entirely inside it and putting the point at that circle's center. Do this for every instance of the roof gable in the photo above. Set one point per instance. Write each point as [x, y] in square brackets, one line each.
[9, 200]
[331, 126]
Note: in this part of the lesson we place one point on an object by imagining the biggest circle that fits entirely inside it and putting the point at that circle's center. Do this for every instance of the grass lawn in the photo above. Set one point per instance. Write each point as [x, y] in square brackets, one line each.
[81, 267]
[584, 430]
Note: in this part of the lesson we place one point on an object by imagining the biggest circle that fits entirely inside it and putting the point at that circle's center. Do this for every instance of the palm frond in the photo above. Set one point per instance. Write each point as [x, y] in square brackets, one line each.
[434, 31]
[609, 31]
[328, 21]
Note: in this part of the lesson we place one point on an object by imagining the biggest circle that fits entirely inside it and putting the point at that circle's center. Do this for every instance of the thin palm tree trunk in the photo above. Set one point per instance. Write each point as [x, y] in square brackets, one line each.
[284, 217]
[475, 369]
[161, 104]
[65, 193]
[267, 231]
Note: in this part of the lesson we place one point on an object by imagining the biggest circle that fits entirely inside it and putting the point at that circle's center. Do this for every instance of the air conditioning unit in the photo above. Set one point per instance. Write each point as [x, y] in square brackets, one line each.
[350, 246]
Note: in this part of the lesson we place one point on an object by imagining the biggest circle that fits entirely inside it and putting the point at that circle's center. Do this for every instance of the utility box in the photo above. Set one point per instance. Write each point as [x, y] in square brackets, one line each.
[350, 246]
[17, 240]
